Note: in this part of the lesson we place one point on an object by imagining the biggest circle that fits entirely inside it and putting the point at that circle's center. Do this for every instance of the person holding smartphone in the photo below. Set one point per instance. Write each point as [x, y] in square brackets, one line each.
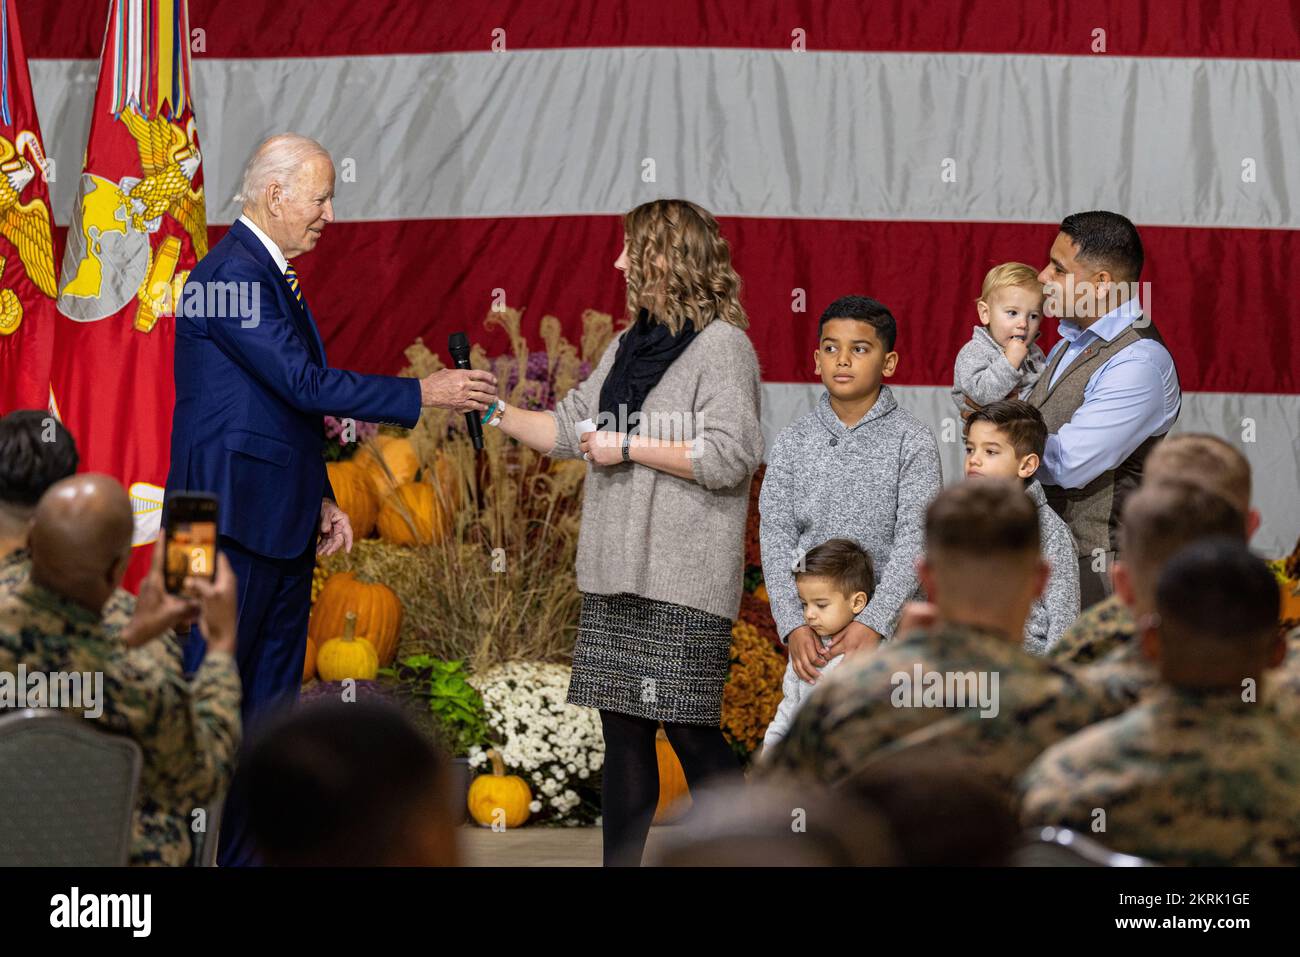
[55, 621]
[669, 421]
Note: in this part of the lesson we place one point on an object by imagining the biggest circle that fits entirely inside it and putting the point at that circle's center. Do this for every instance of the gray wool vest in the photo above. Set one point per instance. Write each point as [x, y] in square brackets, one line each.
[1092, 512]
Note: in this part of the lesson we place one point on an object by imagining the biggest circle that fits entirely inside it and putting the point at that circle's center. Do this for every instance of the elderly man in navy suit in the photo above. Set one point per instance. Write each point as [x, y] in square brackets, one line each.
[252, 386]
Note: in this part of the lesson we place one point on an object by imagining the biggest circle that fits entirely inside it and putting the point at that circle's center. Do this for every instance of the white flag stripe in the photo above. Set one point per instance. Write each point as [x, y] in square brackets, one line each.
[751, 133]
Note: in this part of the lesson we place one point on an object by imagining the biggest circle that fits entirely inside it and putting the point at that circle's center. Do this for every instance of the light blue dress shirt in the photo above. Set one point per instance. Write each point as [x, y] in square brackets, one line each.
[1131, 397]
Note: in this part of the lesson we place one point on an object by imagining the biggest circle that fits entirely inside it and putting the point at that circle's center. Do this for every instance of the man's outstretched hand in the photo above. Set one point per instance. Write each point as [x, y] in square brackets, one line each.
[460, 390]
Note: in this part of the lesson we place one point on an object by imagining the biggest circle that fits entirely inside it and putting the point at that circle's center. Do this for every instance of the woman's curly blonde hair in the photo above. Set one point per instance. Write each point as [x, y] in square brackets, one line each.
[679, 266]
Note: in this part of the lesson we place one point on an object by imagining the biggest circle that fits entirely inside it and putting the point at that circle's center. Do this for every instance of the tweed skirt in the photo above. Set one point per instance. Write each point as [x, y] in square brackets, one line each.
[651, 659]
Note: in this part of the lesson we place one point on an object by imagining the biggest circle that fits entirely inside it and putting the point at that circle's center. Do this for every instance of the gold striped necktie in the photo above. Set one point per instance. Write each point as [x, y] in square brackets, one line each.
[292, 277]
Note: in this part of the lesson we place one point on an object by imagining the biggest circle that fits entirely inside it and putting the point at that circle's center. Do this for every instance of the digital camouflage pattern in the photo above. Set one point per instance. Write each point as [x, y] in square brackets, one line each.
[1183, 778]
[1282, 686]
[1127, 675]
[852, 714]
[118, 610]
[1097, 632]
[188, 731]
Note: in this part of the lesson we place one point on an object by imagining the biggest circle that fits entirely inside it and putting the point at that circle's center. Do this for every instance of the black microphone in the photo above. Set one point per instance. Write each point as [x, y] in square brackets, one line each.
[458, 346]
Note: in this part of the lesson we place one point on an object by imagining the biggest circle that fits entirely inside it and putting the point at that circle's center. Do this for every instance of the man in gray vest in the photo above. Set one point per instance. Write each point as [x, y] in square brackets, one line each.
[1109, 391]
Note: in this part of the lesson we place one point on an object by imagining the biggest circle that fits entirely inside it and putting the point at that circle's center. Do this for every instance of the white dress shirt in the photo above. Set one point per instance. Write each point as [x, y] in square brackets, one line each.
[268, 242]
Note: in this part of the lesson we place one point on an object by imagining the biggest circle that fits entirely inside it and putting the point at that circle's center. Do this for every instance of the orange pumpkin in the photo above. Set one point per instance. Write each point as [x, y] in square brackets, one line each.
[377, 607]
[412, 515]
[499, 792]
[355, 495]
[309, 662]
[399, 463]
[674, 796]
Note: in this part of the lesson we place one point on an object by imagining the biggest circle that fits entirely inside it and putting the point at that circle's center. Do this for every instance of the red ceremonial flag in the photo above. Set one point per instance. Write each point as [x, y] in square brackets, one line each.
[27, 279]
[139, 227]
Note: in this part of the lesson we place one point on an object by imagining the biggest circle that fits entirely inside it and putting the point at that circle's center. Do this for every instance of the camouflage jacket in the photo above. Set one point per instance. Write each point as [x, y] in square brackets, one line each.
[1127, 675]
[188, 731]
[1097, 632]
[13, 569]
[1282, 687]
[1184, 778]
[1020, 705]
[118, 610]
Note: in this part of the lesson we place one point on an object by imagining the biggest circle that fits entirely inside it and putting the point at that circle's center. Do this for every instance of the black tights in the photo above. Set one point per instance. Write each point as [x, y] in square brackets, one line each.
[630, 778]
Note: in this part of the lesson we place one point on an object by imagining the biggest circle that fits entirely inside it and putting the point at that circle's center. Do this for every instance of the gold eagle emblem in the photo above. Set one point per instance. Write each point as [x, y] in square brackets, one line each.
[26, 225]
[169, 159]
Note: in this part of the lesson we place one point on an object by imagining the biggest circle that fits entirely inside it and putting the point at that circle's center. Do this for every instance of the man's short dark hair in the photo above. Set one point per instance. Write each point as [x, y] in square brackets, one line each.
[333, 784]
[864, 309]
[1216, 588]
[1019, 421]
[982, 515]
[1107, 240]
[29, 464]
[844, 562]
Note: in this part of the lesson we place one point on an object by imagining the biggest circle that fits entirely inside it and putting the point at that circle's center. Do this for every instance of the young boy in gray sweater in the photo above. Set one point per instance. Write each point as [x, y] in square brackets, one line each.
[1005, 440]
[857, 466]
[1001, 360]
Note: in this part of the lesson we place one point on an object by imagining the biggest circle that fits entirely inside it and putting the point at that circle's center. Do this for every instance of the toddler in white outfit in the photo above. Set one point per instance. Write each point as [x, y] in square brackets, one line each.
[835, 583]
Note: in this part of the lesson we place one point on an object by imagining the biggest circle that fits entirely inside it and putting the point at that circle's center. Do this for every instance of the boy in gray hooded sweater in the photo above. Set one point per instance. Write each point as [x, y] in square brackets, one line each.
[857, 466]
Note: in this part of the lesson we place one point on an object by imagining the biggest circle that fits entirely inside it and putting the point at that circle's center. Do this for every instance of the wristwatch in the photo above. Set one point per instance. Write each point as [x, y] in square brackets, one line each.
[627, 452]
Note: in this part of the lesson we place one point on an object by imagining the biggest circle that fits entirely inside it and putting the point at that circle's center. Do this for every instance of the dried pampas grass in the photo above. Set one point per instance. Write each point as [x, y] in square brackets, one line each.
[500, 585]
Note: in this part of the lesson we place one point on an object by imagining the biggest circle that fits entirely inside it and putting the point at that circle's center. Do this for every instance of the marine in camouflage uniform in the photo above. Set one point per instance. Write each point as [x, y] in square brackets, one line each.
[1097, 632]
[851, 715]
[1127, 675]
[118, 610]
[188, 731]
[1184, 778]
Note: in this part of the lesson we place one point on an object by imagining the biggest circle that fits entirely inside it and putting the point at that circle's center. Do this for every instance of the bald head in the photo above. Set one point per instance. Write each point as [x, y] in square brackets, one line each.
[81, 538]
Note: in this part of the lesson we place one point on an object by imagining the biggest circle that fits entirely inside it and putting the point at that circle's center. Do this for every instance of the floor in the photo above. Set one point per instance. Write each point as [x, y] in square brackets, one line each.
[539, 846]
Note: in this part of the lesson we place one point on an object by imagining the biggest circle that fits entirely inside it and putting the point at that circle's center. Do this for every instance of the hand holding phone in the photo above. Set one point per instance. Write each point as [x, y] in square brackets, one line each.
[156, 610]
[191, 539]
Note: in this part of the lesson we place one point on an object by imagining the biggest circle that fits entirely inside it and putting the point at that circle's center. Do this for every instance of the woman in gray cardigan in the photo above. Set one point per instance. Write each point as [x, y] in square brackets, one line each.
[669, 421]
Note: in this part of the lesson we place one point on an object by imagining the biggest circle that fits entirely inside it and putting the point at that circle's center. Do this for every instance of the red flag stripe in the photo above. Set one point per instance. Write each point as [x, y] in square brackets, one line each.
[432, 277]
[1268, 29]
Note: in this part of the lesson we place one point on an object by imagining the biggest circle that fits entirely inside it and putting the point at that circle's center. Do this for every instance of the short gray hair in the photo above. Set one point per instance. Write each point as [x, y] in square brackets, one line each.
[277, 160]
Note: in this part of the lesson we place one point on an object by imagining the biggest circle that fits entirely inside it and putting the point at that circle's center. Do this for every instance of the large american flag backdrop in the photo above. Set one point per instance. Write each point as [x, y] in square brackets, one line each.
[896, 150]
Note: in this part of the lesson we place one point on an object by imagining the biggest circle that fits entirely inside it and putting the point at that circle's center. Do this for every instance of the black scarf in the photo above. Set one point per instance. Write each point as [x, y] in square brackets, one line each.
[644, 354]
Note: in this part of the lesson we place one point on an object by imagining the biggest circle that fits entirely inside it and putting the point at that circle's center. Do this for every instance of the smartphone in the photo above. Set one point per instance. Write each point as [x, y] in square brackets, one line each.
[191, 543]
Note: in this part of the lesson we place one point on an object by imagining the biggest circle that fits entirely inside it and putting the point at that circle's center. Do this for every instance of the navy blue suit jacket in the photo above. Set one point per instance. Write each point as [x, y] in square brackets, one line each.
[250, 394]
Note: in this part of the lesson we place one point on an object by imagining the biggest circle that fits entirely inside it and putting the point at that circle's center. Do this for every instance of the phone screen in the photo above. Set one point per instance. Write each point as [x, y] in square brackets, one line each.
[191, 546]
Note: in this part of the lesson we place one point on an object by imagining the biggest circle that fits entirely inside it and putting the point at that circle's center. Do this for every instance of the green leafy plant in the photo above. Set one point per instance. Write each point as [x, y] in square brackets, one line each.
[454, 707]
